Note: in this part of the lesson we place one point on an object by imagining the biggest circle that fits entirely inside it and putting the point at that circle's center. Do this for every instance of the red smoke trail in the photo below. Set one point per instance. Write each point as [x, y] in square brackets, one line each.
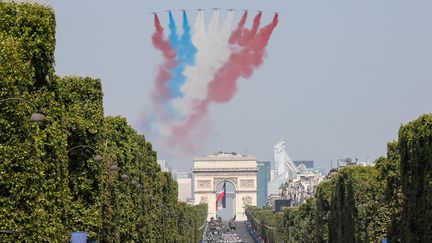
[197, 123]
[161, 92]
[223, 86]
[247, 35]
[237, 32]
[240, 64]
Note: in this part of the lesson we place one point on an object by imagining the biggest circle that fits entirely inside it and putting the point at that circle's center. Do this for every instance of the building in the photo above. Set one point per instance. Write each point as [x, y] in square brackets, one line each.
[164, 165]
[285, 168]
[274, 185]
[184, 182]
[299, 189]
[263, 176]
[283, 161]
[161, 163]
[308, 163]
[341, 162]
[296, 180]
[237, 171]
[323, 170]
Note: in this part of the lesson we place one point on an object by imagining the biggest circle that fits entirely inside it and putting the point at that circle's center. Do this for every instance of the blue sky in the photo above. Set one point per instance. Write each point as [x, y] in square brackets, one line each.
[339, 79]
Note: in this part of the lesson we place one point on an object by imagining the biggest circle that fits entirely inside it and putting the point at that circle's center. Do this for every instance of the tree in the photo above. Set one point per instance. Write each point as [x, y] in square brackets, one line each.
[415, 144]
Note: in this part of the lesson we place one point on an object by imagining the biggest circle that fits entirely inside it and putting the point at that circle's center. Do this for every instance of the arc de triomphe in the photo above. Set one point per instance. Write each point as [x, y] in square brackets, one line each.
[241, 170]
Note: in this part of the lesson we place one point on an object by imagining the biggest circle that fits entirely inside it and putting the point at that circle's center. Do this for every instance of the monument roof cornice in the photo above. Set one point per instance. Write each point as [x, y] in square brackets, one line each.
[243, 169]
[223, 158]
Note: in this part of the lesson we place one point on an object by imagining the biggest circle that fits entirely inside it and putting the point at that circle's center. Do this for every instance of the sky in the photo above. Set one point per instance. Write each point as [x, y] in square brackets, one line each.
[339, 79]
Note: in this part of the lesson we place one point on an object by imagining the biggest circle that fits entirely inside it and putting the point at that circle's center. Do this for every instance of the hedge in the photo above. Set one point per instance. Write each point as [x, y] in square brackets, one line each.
[50, 183]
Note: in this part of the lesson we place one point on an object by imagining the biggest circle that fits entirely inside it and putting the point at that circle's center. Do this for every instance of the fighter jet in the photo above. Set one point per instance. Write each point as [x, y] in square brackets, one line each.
[215, 9]
[157, 12]
[200, 9]
[230, 9]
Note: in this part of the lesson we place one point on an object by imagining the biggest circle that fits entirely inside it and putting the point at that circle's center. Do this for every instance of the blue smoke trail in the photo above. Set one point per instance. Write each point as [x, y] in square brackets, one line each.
[173, 37]
[185, 53]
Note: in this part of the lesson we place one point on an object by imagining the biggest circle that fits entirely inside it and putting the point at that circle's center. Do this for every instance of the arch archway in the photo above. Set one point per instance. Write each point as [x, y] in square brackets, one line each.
[239, 172]
[230, 210]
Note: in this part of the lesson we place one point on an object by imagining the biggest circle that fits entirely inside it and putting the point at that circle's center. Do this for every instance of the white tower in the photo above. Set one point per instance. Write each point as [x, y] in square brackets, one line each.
[279, 157]
[283, 162]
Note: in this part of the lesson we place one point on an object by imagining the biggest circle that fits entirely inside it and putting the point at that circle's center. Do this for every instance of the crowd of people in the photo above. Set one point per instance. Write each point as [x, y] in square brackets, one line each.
[216, 231]
[229, 237]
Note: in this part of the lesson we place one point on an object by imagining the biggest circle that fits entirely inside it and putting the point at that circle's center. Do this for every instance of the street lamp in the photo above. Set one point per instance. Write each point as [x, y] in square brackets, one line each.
[35, 117]
[97, 157]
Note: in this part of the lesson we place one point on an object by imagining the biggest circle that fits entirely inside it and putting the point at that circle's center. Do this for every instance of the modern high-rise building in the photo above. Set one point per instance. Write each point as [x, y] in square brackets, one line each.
[283, 161]
[263, 176]
[286, 169]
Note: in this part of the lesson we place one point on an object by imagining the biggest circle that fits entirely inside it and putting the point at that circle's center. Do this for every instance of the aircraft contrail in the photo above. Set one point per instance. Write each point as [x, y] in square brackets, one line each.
[201, 69]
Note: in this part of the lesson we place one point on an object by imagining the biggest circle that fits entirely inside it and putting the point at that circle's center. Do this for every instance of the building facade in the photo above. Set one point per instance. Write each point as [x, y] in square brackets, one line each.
[184, 182]
[263, 176]
[164, 165]
[213, 170]
[299, 189]
[308, 163]
[285, 168]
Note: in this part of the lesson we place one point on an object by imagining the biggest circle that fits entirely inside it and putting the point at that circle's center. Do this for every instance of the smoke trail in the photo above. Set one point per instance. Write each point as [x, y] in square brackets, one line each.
[226, 28]
[241, 64]
[247, 35]
[161, 91]
[221, 57]
[237, 32]
[173, 36]
[185, 50]
[199, 36]
[213, 51]
[223, 85]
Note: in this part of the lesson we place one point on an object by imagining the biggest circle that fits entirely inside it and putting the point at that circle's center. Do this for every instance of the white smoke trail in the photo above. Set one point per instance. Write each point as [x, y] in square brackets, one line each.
[226, 28]
[212, 52]
[199, 35]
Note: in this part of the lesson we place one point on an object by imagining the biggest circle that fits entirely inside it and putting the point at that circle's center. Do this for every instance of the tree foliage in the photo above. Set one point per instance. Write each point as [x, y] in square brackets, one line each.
[32, 156]
[50, 183]
[415, 147]
[392, 199]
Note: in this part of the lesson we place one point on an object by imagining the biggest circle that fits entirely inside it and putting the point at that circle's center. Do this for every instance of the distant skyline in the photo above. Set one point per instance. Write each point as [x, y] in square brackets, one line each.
[339, 78]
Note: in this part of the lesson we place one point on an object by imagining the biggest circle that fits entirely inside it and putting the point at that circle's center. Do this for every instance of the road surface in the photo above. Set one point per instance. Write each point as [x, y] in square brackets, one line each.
[242, 231]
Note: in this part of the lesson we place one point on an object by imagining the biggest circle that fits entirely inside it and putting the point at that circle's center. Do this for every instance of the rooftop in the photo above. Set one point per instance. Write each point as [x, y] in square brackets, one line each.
[229, 156]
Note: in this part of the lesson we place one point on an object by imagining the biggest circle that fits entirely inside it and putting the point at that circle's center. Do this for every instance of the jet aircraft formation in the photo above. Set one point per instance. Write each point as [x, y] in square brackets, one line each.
[214, 9]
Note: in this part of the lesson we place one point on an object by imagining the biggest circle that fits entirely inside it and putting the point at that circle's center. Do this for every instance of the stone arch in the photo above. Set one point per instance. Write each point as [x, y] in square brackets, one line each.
[231, 199]
[239, 170]
[218, 181]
